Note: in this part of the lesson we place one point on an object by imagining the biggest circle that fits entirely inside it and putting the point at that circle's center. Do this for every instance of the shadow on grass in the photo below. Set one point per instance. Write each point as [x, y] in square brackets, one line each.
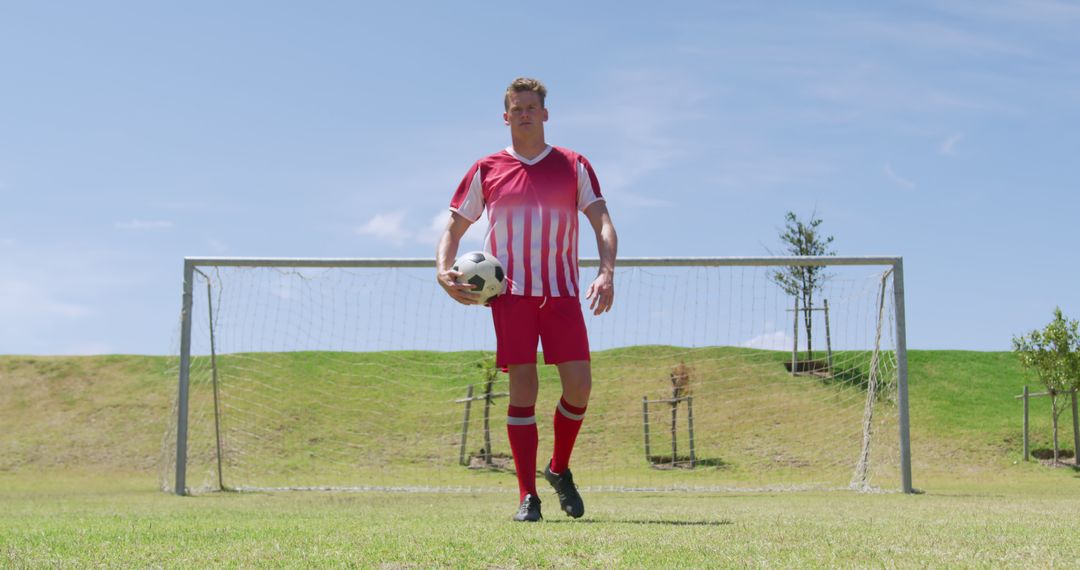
[857, 376]
[663, 462]
[499, 463]
[1047, 453]
[721, 522]
[1066, 459]
[854, 377]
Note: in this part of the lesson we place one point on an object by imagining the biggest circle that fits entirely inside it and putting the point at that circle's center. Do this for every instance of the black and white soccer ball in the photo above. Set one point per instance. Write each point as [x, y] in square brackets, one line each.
[484, 272]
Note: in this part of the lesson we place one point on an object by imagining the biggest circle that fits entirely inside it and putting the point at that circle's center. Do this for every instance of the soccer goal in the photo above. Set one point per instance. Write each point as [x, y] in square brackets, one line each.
[361, 374]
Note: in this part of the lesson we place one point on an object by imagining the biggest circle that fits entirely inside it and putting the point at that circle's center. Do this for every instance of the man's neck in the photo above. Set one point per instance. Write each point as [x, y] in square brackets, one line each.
[529, 149]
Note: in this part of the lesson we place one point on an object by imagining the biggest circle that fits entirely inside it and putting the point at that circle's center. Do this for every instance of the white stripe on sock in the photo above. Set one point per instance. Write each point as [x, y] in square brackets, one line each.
[516, 421]
[565, 412]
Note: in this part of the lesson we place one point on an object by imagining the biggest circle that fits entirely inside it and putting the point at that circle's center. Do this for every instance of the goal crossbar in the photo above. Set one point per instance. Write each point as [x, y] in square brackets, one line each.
[585, 262]
[893, 262]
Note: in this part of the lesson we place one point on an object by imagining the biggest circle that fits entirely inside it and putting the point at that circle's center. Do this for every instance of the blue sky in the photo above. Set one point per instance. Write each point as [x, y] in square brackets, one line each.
[133, 134]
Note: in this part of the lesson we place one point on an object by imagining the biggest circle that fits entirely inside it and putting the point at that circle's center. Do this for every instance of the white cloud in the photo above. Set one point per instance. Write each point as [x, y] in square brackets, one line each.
[396, 228]
[434, 230]
[899, 180]
[778, 340]
[746, 173]
[386, 226]
[932, 36]
[180, 205]
[217, 247]
[55, 296]
[144, 225]
[282, 287]
[637, 200]
[948, 146]
[24, 300]
[1042, 13]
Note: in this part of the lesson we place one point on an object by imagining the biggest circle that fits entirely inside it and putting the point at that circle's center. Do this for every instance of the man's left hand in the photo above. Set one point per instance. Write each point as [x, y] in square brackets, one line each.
[601, 294]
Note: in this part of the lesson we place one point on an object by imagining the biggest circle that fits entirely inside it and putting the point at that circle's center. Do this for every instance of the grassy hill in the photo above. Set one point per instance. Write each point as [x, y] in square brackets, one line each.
[99, 413]
[109, 413]
[82, 436]
[968, 400]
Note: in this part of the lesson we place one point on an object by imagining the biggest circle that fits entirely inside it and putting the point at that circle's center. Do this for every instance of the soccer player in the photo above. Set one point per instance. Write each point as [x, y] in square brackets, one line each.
[532, 193]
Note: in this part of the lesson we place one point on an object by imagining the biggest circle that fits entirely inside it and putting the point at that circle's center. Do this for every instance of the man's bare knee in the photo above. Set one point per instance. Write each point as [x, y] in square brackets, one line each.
[576, 377]
[524, 384]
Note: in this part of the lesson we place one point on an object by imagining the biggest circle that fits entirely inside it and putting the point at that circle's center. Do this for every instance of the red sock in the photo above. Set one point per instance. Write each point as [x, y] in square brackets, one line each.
[521, 429]
[567, 423]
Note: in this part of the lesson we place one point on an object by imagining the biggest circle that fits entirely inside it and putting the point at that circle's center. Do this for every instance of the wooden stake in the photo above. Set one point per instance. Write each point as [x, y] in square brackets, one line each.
[465, 424]
[1027, 449]
[828, 336]
[690, 423]
[487, 414]
[795, 339]
[1076, 432]
[645, 423]
[674, 433]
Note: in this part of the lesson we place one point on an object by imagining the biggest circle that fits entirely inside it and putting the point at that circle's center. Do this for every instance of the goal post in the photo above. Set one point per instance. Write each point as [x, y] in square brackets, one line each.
[344, 373]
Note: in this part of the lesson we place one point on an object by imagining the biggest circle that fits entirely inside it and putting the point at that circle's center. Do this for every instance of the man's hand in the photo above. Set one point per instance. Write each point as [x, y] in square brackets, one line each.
[460, 292]
[601, 293]
[444, 261]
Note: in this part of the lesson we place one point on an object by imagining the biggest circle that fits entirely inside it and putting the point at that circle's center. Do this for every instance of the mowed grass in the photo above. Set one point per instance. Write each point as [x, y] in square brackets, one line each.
[78, 488]
[88, 521]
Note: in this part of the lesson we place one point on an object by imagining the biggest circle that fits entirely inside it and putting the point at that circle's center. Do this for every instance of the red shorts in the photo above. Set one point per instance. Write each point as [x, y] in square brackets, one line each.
[522, 321]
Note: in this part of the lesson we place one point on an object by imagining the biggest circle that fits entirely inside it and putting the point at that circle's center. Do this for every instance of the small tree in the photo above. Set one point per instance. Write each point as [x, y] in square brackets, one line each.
[802, 281]
[680, 389]
[1054, 354]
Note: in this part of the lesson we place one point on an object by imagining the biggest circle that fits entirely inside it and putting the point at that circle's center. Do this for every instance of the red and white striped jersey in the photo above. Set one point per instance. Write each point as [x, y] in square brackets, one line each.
[532, 208]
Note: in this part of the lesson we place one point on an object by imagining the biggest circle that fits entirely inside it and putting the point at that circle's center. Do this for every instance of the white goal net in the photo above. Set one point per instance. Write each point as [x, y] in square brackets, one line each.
[363, 374]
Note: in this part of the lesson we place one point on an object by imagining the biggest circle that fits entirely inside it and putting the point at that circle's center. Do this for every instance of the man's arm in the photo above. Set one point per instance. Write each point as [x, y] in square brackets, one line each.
[445, 255]
[602, 291]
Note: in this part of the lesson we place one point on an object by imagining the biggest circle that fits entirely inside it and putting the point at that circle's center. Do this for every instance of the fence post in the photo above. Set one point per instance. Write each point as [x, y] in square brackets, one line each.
[465, 424]
[645, 423]
[487, 414]
[690, 423]
[674, 433]
[795, 339]
[1076, 432]
[1027, 450]
[828, 337]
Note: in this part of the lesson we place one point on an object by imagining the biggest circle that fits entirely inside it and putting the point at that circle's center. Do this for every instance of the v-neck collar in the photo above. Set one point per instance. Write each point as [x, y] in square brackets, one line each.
[526, 161]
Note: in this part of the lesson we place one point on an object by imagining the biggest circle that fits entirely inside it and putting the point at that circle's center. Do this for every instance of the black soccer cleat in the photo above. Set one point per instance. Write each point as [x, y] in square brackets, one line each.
[529, 511]
[569, 499]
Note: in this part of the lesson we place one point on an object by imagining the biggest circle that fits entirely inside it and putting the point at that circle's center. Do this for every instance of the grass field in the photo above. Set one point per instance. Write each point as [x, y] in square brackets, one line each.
[78, 488]
[106, 522]
[388, 419]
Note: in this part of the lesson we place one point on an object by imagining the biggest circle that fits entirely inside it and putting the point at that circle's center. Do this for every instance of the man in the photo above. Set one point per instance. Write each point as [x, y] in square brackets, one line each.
[532, 193]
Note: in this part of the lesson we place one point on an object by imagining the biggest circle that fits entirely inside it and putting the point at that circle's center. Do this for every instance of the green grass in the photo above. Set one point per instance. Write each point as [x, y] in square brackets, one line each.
[78, 488]
[110, 412]
[79, 522]
[968, 399]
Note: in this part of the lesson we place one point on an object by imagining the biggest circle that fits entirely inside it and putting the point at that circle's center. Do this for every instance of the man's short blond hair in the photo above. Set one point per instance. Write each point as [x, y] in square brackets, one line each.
[525, 84]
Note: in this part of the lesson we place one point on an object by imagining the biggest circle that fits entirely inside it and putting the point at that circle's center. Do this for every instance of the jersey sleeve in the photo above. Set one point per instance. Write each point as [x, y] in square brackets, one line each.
[587, 184]
[468, 200]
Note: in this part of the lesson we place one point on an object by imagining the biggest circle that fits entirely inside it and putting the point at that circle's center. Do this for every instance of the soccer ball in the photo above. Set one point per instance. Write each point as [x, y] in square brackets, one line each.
[483, 271]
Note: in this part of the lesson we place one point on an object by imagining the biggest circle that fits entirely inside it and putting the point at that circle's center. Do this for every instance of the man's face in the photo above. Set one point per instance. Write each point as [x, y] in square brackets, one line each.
[526, 113]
